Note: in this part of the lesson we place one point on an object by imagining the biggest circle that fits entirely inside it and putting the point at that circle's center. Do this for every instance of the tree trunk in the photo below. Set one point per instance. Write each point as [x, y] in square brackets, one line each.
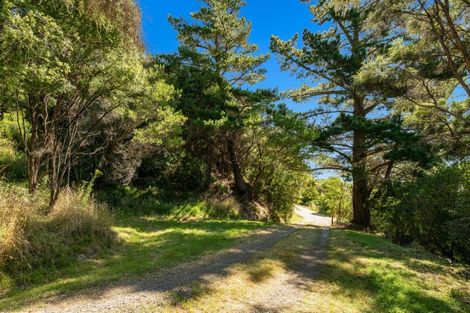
[34, 163]
[32, 146]
[54, 181]
[361, 212]
[242, 188]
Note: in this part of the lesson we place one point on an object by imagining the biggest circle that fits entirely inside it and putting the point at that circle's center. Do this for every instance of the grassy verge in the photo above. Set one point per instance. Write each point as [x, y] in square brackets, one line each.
[362, 273]
[295, 219]
[148, 243]
[369, 274]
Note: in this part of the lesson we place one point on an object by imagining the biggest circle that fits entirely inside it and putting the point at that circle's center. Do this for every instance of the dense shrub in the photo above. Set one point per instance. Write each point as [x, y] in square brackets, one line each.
[173, 170]
[334, 198]
[9, 129]
[331, 196]
[434, 211]
[309, 192]
[13, 164]
[131, 200]
[280, 191]
[32, 236]
[228, 208]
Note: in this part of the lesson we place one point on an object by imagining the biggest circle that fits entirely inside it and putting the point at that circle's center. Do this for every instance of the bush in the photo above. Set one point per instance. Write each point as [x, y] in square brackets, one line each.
[434, 211]
[174, 171]
[228, 208]
[130, 200]
[9, 128]
[33, 238]
[75, 216]
[280, 191]
[13, 164]
[334, 198]
[309, 192]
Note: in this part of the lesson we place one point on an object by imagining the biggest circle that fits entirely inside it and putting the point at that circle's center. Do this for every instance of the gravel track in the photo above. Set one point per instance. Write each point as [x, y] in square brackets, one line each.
[310, 218]
[154, 286]
[279, 294]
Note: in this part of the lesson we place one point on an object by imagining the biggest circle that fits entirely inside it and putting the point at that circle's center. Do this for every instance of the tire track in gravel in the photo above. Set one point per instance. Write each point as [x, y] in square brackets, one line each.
[154, 286]
[283, 293]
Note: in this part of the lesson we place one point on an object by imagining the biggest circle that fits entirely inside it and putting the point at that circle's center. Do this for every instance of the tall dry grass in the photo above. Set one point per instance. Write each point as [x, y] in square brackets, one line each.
[77, 216]
[32, 237]
[224, 208]
[17, 211]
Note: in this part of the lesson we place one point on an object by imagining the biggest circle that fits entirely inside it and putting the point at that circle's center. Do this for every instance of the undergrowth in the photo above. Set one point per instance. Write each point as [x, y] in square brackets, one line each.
[131, 201]
[36, 238]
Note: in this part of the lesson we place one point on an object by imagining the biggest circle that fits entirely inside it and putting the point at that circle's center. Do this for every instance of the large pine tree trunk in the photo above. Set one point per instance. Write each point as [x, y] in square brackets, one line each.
[361, 212]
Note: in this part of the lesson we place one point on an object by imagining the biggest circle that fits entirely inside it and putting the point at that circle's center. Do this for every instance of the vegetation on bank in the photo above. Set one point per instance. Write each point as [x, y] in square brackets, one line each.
[432, 210]
[37, 239]
[369, 273]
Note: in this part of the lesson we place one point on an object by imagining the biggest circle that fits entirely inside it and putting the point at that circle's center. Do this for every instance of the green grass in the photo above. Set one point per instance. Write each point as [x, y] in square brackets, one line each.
[148, 243]
[362, 273]
[366, 273]
[295, 219]
[12, 163]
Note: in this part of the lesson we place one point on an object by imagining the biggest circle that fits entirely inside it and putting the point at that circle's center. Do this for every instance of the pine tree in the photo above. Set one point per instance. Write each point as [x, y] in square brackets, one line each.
[362, 135]
[217, 43]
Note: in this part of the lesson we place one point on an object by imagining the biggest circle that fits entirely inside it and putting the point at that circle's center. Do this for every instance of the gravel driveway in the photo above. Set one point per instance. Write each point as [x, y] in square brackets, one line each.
[310, 218]
[130, 295]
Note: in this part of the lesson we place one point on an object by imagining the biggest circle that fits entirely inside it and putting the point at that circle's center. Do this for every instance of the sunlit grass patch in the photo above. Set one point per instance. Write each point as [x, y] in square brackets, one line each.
[295, 219]
[147, 244]
[368, 273]
[362, 273]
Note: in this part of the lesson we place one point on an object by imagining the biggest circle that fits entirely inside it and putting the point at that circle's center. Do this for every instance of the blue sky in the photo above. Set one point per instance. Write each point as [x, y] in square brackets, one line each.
[283, 18]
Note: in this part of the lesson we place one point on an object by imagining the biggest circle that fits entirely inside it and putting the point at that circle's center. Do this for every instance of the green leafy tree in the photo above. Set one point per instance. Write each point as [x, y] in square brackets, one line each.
[431, 56]
[361, 135]
[68, 67]
[334, 198]
[217, 46]
[33, 47]
[433, 210]
[275, 160]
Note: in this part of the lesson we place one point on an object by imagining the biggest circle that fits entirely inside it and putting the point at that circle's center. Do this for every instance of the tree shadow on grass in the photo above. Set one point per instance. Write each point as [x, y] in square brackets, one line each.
[260, 273]
[190, 292]
[387, 294]
[413, 258]
[393, 288]
[157, 245]
[393, 282]
[177, 242]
